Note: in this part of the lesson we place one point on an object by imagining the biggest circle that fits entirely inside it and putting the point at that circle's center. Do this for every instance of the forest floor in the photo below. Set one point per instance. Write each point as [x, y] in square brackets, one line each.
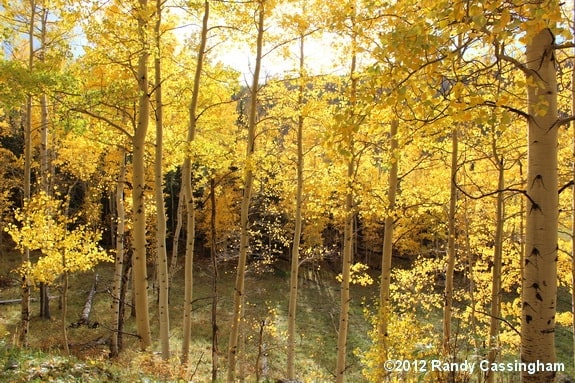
[264, 329]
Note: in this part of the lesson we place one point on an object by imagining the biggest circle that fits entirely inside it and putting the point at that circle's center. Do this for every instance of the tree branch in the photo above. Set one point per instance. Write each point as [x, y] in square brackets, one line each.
[502, 320]
[105, 119]
[568, 184]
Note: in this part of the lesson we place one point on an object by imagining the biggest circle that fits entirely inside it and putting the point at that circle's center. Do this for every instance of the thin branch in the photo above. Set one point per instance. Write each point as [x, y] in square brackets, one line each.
[565, 45]
[567, 185]
[197, 117]
[502, 320]
[484, 195]
[508, 108]
[562, 121]
[105, 119]
[519, 65]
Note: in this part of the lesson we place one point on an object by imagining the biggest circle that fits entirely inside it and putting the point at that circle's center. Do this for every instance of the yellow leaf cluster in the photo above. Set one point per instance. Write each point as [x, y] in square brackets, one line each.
[358, 275]
[41, 226]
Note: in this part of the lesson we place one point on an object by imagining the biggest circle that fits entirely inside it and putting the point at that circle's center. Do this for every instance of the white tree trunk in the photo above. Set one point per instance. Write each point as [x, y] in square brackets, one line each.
[161, 253]
[139, 185]
[294, 268]
[233, 345]
[539, 287]
[347, 256]
[189, 192]
[384, 290]
[493, 342]
[119, 261]
[450, 261]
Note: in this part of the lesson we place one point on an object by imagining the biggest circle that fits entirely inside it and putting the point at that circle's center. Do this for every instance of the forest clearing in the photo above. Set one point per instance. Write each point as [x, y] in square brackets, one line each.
[287, 190]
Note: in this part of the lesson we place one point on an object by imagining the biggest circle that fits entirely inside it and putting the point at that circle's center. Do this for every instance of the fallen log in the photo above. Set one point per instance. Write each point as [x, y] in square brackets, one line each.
[85, 315]
[9, 301]
[18, 300]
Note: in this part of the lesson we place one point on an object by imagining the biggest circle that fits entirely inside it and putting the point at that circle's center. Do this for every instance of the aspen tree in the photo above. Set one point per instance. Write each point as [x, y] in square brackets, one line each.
[161, 253]
[347, 255]
[451, 253]
[539, 285]
[233, 345]
[25, 307]
[213, 256]
[494, 325]
[188, 189]
[295, 253]
[43, 224]
[119, 265]
[139, 181]
[451, 232]
[44, 156]
[384, 290]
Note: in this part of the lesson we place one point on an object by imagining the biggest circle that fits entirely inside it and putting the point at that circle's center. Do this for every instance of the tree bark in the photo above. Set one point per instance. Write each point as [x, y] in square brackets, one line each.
[213, 255]
[539, 287]
[246, 200]
[384, 290]
[44, 157]
[120, 254]
[65, 308]
[139, 186]
[161, 253]
[451, 252]
[345, 297]
[177, 234]
[493, 342]
[347, 256]
[295, 255]
[189, 193]
[24, 326]
[85, 315]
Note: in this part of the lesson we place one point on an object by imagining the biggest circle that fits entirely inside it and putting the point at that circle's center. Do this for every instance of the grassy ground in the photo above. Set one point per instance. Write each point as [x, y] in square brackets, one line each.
[265, 312]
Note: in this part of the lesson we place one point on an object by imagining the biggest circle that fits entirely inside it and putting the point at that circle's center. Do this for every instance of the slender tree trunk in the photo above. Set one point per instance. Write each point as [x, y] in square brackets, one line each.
[451, 253]
[139, 185]
[119, 261]
[539, 287]
[471, 281]
[65, 308]
[246, 200]
[493, 342]
[215, 330]
[345, 298]
[189, 194]
[25, 283]
[177, 234]
[44, 157]
[123, 294]
[384, 290]
[347, 256]
[161, 254]
[294, 269]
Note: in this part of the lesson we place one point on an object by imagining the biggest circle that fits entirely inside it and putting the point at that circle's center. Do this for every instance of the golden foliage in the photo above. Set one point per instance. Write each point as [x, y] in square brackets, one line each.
[65, 246]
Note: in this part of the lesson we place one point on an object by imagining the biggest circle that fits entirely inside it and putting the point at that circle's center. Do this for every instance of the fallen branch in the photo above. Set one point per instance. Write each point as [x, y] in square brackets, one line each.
[18, 300]
[85, 316]
[9, 301]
